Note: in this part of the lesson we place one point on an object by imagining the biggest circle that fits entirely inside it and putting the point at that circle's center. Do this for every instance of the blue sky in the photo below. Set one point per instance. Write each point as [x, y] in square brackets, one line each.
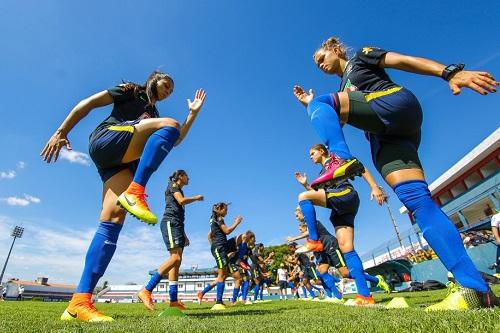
[251, 134]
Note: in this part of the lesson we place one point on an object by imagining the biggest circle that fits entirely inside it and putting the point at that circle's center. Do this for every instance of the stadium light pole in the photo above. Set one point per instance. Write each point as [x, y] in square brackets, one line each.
[394, 223]
[16, 233]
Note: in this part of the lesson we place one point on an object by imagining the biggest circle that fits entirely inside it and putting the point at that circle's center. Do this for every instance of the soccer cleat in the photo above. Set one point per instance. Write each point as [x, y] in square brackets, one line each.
[310, 246]
[200, 297]
[337, 170]
[147, 299]
[243, 265]
[218, 307]
[463, 299]
[178, 305]
[133, 200]
[333, 300]
[382, 284]
[361, 301]
[82, 308]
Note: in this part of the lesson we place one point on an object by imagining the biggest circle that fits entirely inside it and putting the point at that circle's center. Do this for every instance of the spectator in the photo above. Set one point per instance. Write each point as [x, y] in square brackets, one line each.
[495, 225]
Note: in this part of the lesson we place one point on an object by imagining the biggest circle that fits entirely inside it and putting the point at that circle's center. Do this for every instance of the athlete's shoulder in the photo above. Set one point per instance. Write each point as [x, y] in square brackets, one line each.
[123, 92]
[370, 54]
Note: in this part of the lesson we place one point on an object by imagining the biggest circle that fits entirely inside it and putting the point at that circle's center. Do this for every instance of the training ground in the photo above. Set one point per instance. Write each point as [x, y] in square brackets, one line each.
[275, 316]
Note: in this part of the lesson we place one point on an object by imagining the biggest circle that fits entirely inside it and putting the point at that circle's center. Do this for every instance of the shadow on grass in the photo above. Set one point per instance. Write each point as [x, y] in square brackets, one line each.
[248, 312]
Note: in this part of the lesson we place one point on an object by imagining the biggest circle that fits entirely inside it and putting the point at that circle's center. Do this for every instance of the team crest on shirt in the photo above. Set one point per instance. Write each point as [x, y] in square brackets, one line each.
[366, 50]
[349, 86]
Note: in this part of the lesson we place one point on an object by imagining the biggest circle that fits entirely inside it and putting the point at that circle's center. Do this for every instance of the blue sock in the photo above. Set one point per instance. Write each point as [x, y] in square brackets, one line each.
[371, 278]
[304, 291]
[244, 290]
[311, 292]
[440, 233]
[153, 282]
[326, 122]
[172, 291]
[329, 282]
[99, 255]
[261, 293]
[309, 213]
[156, 149]
[357, 273]
[256, 292]
[208, 287]
[236, 291]
[220, 291]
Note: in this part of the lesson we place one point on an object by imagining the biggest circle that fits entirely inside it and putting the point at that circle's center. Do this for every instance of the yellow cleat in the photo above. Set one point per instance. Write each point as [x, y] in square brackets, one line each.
[133, 200]
[82, 308]
[218, 307]
[147, 299]
[463, 299]
[333, 300]
[382, 284]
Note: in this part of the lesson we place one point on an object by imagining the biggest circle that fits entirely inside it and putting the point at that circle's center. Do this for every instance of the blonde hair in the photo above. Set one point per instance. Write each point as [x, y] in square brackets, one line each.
[330, 44]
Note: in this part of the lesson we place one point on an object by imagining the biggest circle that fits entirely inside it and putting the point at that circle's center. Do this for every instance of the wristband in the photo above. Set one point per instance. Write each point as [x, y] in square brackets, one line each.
[449, 70]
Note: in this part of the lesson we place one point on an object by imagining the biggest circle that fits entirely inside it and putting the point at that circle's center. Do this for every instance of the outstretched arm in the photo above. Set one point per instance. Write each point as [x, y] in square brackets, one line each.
[182, 200]
[480, 82]
[376, 191]
[194, 109]
[227, 230]
[60, 138]
[301, 236]
[302, 179]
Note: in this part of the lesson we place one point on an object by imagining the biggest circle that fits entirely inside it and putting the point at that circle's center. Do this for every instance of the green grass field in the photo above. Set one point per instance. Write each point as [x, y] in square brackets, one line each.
[275, 316]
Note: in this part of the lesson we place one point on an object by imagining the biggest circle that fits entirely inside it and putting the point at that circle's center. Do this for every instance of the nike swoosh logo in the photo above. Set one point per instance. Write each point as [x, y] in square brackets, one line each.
[165, 149]
[72, 315]
[131, 203]
[109, 243]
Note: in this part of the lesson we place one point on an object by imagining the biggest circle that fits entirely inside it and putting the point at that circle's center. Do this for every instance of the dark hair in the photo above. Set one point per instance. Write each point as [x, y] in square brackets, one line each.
[249, 234]
[150, 87]
[176, 175]
[320, 147]
[218, 207]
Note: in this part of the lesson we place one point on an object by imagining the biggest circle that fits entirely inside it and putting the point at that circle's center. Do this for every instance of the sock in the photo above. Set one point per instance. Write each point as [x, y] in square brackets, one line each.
[256, 292]
[309, 213]
[156, 149]
[220, 292]
[261, 293]
[371, 278]
[244, 290]
[236, 291]
[172, 290]
[311, 292]
[99, 255]
[357, 273]
[326, 122]
[329, 282]
[153, 282]
[304, 291]
[208, 287]
[440, 233]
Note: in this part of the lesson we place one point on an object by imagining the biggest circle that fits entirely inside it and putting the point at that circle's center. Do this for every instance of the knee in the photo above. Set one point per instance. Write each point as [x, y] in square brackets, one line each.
[176, 259]
[345, 246]
[169, 122]
[303, 196]
[344, 272]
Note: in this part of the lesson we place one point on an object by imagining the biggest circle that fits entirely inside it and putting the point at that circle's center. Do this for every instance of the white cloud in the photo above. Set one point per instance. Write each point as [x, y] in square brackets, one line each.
[7, 174]
[21, 165]
[49, 248]
[74, 156]
[15, 201]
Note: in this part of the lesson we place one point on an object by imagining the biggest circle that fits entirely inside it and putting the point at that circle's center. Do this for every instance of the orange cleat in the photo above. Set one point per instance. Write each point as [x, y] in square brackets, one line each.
[82, 308]
[310, 246]
[178, 305]
[147, 299]
[361, 301]
[133, 200]
[200, 297]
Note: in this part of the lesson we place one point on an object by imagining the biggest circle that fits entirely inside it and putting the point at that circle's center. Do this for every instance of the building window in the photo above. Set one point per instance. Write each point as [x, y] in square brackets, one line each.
[490, 168]
[458, 189]
[456, 221]
[445, 198]
[472, 180]
[199, 285]
[478, 211]
[229, 284]
[181, 286]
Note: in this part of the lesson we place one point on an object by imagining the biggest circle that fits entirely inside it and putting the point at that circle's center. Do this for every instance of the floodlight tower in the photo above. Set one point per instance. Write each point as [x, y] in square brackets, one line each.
[17, 232]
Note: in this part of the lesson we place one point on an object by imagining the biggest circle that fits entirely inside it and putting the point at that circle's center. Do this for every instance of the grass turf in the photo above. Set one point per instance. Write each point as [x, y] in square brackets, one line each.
[276, 316]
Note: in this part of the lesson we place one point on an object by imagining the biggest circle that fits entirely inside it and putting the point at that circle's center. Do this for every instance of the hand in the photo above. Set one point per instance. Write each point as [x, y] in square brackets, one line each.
[480, 82]
[302, 179]
[238, 219]
[52, 148]
[302, 96]
[199, 98]
[199, 197]
[379, 195]
[289, 239]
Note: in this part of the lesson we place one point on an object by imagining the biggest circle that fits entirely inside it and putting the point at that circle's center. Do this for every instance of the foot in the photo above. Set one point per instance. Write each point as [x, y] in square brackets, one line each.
[200, 297]
[361, 301]
[337, 170]
[463, 299]
[147, 299]
[178, 305]
[382, 284]
[333, 300]
[133, 200]
[310, 246]
[82, 308]
[243, 265]
[218, 307]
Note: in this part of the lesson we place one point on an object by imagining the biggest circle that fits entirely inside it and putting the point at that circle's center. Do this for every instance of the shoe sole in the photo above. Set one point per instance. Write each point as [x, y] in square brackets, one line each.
[124, 206]
[355, 169]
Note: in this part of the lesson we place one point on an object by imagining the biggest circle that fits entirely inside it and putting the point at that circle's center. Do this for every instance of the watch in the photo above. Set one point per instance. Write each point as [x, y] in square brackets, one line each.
[449, 70]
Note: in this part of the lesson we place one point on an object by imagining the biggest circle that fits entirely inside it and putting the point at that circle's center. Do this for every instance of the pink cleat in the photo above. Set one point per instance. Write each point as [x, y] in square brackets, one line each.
[336, 170]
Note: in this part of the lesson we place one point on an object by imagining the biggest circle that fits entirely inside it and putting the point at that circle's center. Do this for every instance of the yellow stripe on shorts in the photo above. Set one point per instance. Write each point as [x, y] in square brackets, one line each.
[219, 260]
[338, 194]
[170, 236]
[126, 128]
[340, 258]
[378, 94]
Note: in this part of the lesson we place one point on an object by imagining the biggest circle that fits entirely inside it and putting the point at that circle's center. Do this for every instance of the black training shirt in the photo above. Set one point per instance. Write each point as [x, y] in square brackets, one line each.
[173, 210]
[219, 238]
[363, 73]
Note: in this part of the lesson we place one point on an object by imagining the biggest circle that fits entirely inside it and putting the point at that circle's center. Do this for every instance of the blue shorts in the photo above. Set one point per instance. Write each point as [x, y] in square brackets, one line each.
[108, 145]
[343, 203]
[172, 231]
